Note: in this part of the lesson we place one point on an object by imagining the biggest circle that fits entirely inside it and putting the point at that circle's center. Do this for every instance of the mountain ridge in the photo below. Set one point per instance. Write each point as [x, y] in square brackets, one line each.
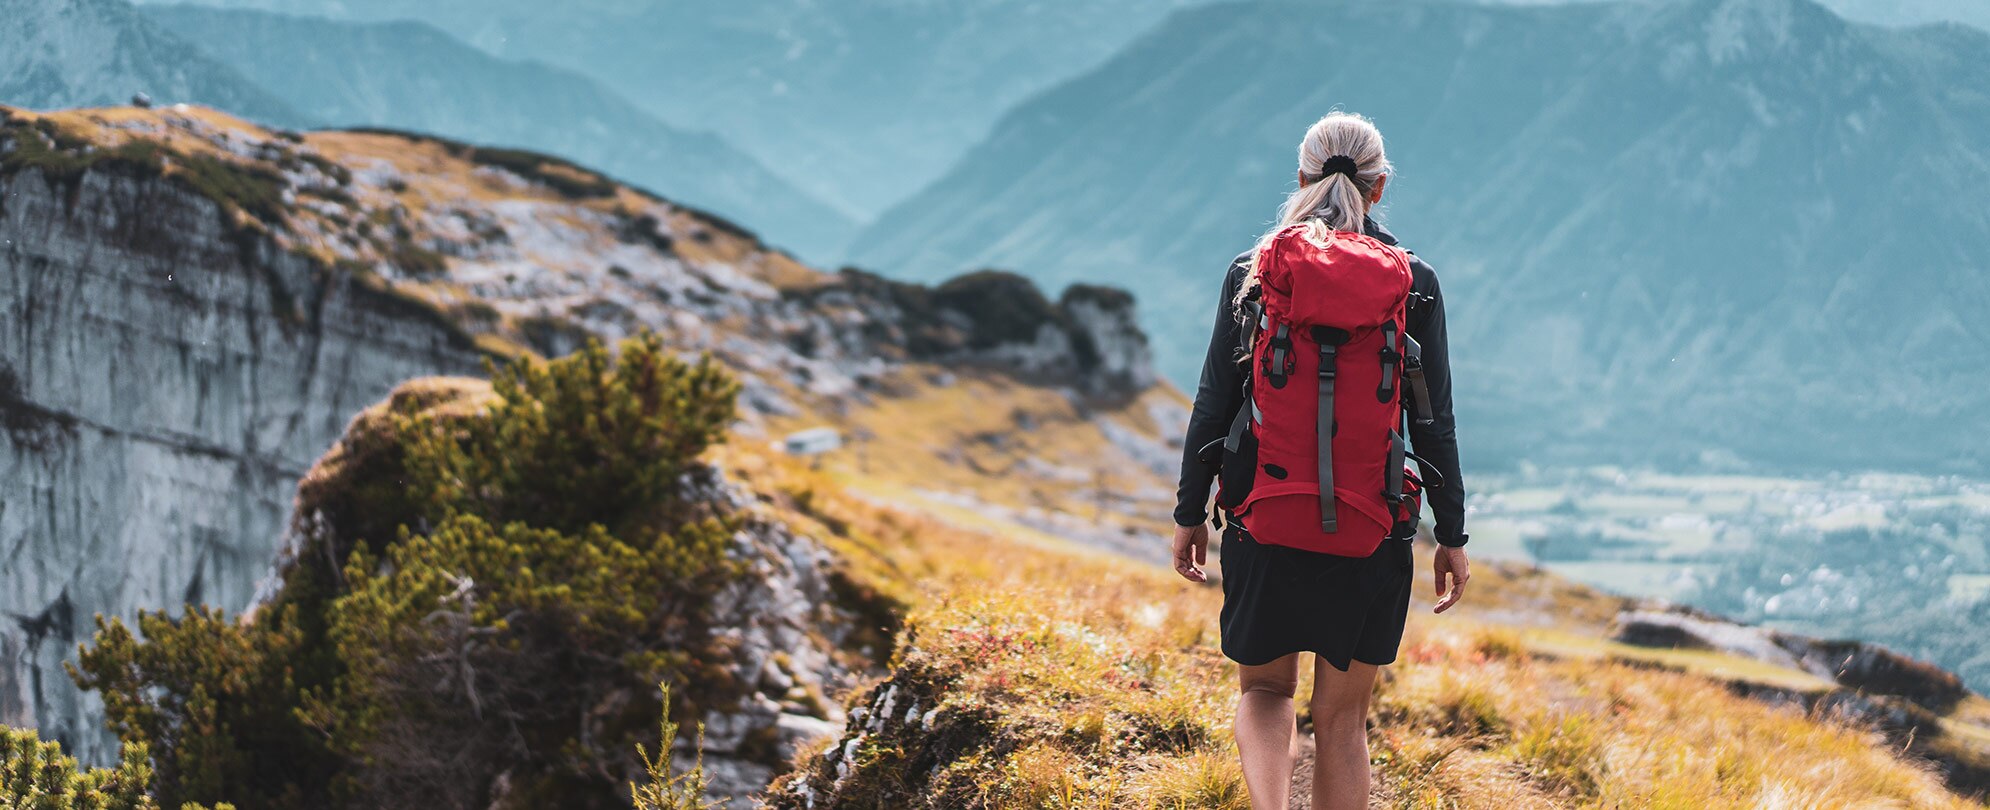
[411, 75]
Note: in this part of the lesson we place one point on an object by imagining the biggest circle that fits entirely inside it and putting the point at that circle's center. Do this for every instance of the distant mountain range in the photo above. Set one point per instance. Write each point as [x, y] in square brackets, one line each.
[413, 76]
[67, 53]
[1723, 227]
[1883, 12]
[1916, 12]
[860, 102]
[893, 92]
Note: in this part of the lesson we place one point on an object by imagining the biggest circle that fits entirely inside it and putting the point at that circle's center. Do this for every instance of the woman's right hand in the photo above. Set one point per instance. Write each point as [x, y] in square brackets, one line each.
[1192, 551]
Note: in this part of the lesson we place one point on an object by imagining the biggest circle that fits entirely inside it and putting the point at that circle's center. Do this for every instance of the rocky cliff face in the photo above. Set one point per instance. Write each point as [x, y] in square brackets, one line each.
[163, 384]
[191, 308]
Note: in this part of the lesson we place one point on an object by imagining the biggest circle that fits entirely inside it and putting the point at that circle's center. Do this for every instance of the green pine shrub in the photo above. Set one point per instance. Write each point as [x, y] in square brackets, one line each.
[661, 787]
[36, 775]
[488, 584]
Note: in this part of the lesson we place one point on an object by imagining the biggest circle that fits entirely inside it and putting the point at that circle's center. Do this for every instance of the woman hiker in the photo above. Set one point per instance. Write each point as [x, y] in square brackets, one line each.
[1329, 350]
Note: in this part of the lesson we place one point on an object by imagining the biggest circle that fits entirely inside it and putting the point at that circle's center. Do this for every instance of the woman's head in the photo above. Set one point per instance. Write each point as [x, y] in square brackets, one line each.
[1338, 200]
[1342, 171]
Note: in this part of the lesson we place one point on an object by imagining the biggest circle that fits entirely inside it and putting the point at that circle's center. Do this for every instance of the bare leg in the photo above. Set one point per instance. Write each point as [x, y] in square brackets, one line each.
[1267, 731]
[1340, 735]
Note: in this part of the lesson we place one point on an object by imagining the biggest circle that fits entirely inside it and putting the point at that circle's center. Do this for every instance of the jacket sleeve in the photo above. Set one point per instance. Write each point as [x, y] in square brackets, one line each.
[1217, 399]
[1437, 443]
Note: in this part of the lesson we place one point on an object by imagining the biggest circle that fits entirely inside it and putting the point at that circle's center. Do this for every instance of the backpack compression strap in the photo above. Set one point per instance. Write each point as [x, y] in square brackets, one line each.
[1392, 486]
[1390, 357]
[1330, 340]
[1413, 371]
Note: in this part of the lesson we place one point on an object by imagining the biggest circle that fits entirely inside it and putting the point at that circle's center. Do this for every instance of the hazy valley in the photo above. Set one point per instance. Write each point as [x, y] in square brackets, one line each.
[1894, 559]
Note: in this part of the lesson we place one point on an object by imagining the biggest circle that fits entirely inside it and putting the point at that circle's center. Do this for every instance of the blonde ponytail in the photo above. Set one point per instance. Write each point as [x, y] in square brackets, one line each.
[1328, 202]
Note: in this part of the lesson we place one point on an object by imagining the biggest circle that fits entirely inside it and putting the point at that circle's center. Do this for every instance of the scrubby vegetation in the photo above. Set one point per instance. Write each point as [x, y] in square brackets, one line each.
[561, 175]
[489, 585]
[36, 775]
[40, 143]
[1003, 307]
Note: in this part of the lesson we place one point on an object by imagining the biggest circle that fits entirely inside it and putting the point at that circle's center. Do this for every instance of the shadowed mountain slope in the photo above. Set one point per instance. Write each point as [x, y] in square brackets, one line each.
[72, 53]
[1747, 225]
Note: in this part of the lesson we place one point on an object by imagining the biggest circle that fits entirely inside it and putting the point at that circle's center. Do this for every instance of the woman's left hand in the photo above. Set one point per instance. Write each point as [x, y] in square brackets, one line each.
[1192, 551]
[1450, 560]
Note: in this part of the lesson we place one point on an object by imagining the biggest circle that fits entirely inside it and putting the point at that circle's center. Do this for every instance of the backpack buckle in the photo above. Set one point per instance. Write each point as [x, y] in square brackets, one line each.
[1330, 340]
[1278, 361]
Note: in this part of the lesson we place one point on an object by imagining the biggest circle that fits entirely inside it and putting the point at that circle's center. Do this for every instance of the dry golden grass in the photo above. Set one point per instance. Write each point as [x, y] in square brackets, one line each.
[1078, 679]
[111, 126]
[1009, 446]
[1597, 732]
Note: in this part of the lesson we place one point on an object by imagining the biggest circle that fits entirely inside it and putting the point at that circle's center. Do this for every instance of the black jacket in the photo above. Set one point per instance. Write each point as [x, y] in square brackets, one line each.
[1221, 393]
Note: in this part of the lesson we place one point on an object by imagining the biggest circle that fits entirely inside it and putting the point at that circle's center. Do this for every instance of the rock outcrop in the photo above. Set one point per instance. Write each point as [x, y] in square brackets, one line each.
[1088, 339]
[787, 637]
[1875, 687]
[1862, 666]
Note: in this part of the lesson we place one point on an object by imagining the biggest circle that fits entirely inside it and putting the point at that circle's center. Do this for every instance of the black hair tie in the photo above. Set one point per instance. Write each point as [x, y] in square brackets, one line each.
[1340, 164]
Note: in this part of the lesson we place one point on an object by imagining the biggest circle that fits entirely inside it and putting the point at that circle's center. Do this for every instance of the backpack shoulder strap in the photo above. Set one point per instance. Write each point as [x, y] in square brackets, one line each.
[1253, 312]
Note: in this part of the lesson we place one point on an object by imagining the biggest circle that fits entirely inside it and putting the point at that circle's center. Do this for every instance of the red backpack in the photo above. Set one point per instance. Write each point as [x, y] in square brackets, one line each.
[1324, 408]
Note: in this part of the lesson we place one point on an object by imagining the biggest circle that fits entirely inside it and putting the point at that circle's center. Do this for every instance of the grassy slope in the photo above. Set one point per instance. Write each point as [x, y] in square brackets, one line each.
[1037, 674]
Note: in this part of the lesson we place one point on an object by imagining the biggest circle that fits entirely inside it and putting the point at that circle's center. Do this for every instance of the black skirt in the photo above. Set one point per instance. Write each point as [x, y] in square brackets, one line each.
[1279, 600]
